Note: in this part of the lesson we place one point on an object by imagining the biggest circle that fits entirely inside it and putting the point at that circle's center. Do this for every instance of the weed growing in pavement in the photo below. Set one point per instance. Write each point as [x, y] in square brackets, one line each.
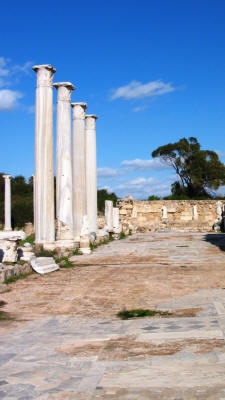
[140, 313]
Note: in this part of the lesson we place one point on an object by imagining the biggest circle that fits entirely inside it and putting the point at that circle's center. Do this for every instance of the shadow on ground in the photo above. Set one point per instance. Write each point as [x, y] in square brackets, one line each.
[216, 239]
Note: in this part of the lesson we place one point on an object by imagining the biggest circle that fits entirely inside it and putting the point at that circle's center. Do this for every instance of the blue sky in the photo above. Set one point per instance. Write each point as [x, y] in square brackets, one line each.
[153, 72]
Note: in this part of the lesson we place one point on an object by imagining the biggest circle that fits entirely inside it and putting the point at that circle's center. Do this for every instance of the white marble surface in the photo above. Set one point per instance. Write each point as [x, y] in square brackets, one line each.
[64, 195]
[12, 235]
[44, 171]
[91, 171]
[8, 225]
[79, 167]
[108, 216]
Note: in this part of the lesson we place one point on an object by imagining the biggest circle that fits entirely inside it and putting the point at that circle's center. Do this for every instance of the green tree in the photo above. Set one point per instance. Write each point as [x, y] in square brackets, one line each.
[103, 195]
[199, 171]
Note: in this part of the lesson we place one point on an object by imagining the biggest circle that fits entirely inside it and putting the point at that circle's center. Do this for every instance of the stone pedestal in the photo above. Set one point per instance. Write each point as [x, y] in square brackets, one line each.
[91, 172]
[116, 222]
[79, 168]
[108, 216]
[44, 171]
[64, 191]
[8, 226]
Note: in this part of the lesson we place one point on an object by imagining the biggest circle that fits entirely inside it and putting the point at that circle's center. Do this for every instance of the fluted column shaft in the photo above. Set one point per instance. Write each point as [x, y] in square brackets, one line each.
[79, 168]
[8, 225]
[64, 192]
[91, 171]
[44, 172]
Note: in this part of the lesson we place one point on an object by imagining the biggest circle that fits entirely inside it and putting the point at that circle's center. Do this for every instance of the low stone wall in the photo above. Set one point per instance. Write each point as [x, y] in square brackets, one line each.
[9, 271]
[188, 215]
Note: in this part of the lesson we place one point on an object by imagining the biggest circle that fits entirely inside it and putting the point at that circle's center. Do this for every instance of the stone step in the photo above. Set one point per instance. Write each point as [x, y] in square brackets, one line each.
[41, 267]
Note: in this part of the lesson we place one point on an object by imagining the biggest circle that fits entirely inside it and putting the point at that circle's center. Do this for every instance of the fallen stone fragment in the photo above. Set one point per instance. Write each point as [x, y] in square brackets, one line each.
[44, 265]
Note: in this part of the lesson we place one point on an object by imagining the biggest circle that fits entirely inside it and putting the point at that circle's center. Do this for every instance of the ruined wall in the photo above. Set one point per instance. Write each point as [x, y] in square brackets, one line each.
[188, 215]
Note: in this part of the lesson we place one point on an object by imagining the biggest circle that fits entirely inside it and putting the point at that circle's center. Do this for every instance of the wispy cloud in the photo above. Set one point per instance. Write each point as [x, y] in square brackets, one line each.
[140, 108]
[144, 165]
[9, 99]
[138, 90]
[9, 74]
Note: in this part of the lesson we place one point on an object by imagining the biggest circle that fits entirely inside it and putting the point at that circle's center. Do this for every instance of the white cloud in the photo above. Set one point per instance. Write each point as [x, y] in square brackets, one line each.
[3, 70]
[141, 188]
[106, 172]
[9, 75]
[144, 165]
[8, 99]
[138, 90]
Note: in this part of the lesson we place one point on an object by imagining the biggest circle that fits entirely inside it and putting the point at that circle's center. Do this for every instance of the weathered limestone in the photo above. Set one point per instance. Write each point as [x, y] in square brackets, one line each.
[218, 221]
[8, 250]
[164, 215]
[109, 216]
[84, 237]
[26, 252]
[195, 213]
[146, 216]
[44, 171]
[64, 191]
[116, 221]
[91, 172]
[78, 168]
[8, 226]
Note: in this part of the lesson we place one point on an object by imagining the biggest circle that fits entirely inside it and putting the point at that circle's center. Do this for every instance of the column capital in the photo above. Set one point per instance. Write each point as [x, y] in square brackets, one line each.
[6, 176]
[90, 121]
[79, 110]
[44, 74]
[64, 90]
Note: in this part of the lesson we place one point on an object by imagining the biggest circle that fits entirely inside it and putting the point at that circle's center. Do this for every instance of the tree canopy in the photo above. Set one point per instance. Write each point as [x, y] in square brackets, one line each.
[199, 171]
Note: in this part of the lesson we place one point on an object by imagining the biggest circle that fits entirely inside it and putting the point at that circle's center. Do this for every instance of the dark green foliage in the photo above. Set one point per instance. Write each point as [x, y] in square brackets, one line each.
[153, 197]
[122, 235]
[140, 313]
[30, 239]
[64, 262]
[77, 252]
[104, 195]
[93, 246]
[199, 171]
[22, 201]
[45, 253]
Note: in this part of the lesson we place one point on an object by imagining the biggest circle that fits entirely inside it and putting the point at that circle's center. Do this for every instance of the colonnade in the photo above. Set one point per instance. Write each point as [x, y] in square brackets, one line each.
[76, 180]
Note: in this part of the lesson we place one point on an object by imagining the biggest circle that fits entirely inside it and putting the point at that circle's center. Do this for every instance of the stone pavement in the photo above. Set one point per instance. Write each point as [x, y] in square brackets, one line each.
[78, 357]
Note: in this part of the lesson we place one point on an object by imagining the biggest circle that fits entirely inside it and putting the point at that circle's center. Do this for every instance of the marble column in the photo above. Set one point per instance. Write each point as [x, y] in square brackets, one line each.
[78, 168]
[8, 225]
[64, 189]
[44, 170]
[91, 171]
[108, 215]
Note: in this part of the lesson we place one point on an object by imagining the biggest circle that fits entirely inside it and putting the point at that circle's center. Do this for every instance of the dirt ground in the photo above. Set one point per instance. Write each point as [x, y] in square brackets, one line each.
[121, 275]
